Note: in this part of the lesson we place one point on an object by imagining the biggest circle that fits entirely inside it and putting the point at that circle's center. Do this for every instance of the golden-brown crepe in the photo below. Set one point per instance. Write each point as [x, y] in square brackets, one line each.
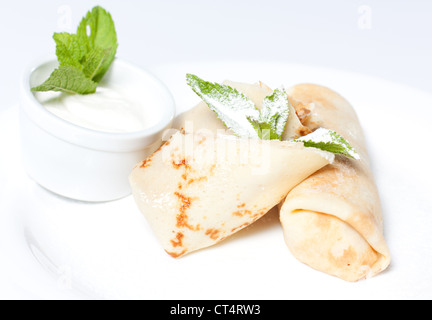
[197, 190]
[332, 221]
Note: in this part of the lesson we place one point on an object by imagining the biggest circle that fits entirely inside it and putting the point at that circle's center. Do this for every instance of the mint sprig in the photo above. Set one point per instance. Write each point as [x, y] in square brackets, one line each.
[101, 41]
[69, 49]
[84, 57]
[68, 79]
[241, 115]
[329, 140]
[230, 105]
[273, 117]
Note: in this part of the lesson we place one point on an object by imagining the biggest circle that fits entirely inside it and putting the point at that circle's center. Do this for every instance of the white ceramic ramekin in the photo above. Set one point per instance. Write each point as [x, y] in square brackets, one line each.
[83, 164]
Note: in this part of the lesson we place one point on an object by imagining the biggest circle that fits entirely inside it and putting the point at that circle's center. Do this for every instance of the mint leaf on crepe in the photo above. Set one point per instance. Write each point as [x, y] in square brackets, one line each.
[230, 105]
[68, 79]
[329, 140]
[273, 116]
[84, 57]
[102, 36]
[264, 130]
[240, 114]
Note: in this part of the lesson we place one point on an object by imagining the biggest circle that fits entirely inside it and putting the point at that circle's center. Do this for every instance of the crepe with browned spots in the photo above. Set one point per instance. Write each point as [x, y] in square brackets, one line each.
[332, 221]
[197, 190]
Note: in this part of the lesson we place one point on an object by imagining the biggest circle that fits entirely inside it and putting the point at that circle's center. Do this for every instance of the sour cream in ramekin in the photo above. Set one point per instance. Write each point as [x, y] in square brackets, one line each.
[84, 147]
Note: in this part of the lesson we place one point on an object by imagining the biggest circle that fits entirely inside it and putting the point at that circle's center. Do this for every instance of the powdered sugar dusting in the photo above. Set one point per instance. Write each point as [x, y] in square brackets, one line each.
[329, 140]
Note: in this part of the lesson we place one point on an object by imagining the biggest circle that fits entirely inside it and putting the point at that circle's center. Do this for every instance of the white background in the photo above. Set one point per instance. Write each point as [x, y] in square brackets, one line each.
[391, 39]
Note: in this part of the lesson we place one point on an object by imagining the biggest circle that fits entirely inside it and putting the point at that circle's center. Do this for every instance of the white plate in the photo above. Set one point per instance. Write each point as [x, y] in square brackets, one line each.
[51, 247]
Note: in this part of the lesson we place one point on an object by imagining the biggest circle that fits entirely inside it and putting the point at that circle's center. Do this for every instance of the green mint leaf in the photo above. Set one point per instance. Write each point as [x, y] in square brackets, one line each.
[101, 36]
[329, 140]
[231, 106]
[240, 114]
[264, 130]
[68, 79]
[86, 56]
[95, 61]
[273, 116]
[275, 111]
[70, 50]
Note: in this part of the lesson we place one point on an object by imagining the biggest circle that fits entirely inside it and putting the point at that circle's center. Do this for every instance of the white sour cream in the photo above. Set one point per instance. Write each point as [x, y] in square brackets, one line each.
[107, 110]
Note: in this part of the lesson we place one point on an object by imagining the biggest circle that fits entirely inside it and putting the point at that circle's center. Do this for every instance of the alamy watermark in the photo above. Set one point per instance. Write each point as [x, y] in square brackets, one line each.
[364, 21]
[205, 148]
[64, 21]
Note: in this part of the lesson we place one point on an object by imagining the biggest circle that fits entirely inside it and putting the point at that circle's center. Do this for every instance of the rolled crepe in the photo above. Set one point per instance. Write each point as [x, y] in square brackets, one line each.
[332, 221]
[197, 190]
